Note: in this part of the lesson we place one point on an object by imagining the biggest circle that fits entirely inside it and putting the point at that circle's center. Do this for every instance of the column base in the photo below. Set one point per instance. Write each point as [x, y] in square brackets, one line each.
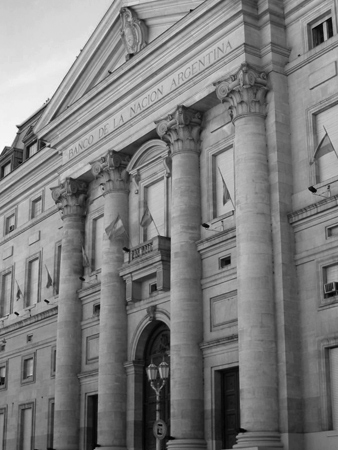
[258, 440]
[110, 447]
[187, 444]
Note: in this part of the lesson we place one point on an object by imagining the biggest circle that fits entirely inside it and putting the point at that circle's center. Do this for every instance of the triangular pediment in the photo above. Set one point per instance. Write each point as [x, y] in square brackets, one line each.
[106, 50]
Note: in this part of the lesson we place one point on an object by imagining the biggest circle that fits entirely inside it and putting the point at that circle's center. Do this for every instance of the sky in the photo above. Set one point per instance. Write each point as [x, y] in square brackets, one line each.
[39, 42]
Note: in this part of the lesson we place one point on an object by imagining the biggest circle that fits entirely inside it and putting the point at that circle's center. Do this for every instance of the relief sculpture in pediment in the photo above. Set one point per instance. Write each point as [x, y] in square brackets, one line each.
[134, 32]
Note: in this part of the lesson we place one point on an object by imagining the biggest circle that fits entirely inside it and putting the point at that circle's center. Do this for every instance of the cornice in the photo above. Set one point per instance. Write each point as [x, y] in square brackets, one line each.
[180, 34]
[29, 321]
[219, 342]
[313, 209]
[311, 56]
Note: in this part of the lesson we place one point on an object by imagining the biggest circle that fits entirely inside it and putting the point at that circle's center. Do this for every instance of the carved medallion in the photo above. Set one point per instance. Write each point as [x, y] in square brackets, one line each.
[134, 32]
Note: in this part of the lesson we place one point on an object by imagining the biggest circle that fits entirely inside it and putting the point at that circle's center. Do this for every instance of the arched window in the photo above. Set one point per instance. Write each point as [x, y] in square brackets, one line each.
[156, 350]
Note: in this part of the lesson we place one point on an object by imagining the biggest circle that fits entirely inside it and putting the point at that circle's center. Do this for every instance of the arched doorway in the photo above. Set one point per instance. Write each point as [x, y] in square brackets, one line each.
[156, 350]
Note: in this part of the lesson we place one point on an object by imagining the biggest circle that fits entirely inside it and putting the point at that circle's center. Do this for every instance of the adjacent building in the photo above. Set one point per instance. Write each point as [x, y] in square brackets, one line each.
[177, 201]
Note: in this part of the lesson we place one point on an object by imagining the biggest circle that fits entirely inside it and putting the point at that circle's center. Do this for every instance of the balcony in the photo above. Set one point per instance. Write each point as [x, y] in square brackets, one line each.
[146, 260]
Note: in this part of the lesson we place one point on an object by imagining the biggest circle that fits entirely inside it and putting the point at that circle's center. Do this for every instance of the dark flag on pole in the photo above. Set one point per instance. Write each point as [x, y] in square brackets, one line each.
[226, 193]
[116, 228]
[147, 218]
[18, 292]
[49, 279]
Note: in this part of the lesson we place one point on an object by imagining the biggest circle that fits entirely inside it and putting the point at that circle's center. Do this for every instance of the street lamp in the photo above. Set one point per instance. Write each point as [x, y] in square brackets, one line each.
[160, 427]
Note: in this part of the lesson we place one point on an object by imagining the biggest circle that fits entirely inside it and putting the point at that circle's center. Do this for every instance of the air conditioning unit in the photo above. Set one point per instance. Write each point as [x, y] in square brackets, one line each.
[331, 288]
[11, 228]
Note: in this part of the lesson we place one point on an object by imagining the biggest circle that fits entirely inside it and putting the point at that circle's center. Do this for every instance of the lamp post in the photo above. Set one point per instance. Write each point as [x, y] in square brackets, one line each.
[153, 371]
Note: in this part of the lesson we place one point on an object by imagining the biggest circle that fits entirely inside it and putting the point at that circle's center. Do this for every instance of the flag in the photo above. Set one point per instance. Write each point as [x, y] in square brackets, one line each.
[85, 260]
[226, 193]
[147, 218]
[49, 278]
[18, 292]
[116, 228]
[325, 146]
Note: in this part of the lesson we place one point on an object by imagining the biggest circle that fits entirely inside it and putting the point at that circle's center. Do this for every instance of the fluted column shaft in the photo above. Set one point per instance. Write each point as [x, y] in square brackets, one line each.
[246, 93]
[186, 390]
[70, 197]
[112, 388]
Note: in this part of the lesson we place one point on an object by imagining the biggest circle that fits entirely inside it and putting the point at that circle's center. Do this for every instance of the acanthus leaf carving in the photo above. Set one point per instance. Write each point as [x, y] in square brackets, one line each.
[245, 92]
[181, 130]
[70, 197]
[112, 168]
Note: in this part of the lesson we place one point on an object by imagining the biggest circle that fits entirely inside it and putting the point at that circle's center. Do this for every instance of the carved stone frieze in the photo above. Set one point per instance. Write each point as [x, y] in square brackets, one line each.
[181, 130]
[70, 197]
[112, 169]
[134, 32]
[245, 91]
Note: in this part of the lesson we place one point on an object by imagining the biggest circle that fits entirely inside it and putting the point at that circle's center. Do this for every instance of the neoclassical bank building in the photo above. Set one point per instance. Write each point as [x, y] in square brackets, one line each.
[169, 236]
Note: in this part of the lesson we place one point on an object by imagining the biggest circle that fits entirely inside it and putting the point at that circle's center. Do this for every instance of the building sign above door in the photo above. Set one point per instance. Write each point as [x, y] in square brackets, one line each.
[177, 79]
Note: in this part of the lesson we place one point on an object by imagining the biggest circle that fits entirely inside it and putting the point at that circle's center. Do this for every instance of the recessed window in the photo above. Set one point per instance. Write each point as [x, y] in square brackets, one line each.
[97, 243]
[36, 207]
[223, 182]
[332, 231]
[33, 281]
[152, 288]
[28, 369]
[25, 425]
[10, 224]
[330, 278]
[225, 261]
[326, 139]
[29, 338]
[57, 268]
[53, 361]
[6, 293]
[2, 376]
[32, 149]
[96, 309]
[333, 358]
[6, 169]
[321, 31]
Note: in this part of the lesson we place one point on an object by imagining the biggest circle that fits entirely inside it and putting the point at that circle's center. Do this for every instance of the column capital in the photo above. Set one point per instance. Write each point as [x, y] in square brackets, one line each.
[70, 197]
[181, 130]
[245, 91]
[112, 168]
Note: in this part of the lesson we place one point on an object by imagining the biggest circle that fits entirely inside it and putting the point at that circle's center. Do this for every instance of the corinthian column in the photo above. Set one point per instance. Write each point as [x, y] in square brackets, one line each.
[245, 93]
[181, 131]
[113, 317]
[70, 198]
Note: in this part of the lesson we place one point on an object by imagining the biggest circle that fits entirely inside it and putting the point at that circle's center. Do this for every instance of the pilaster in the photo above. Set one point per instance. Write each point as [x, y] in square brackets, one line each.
[70, 198]
[181, 130]
[112, 389]
[245, 92]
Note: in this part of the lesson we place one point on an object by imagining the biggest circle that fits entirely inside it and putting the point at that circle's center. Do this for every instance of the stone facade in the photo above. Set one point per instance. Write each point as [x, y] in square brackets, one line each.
[176, 201]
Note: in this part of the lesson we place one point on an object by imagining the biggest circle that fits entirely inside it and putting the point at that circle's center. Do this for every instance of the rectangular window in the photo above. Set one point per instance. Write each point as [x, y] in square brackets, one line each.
[333, 357]
[36, 207]
[32, 149]
[6, 169]
[223, 182]
[50, 436]
[10, 223]
[2, 376]
[6, 293]
[28, 366]
[2, 428]
[330, 278]
[57, 268]
[53, 362]
[321, 30]
[326, 153]
[155, 203]
[26, 426]
[97, 242]
[33, 275]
